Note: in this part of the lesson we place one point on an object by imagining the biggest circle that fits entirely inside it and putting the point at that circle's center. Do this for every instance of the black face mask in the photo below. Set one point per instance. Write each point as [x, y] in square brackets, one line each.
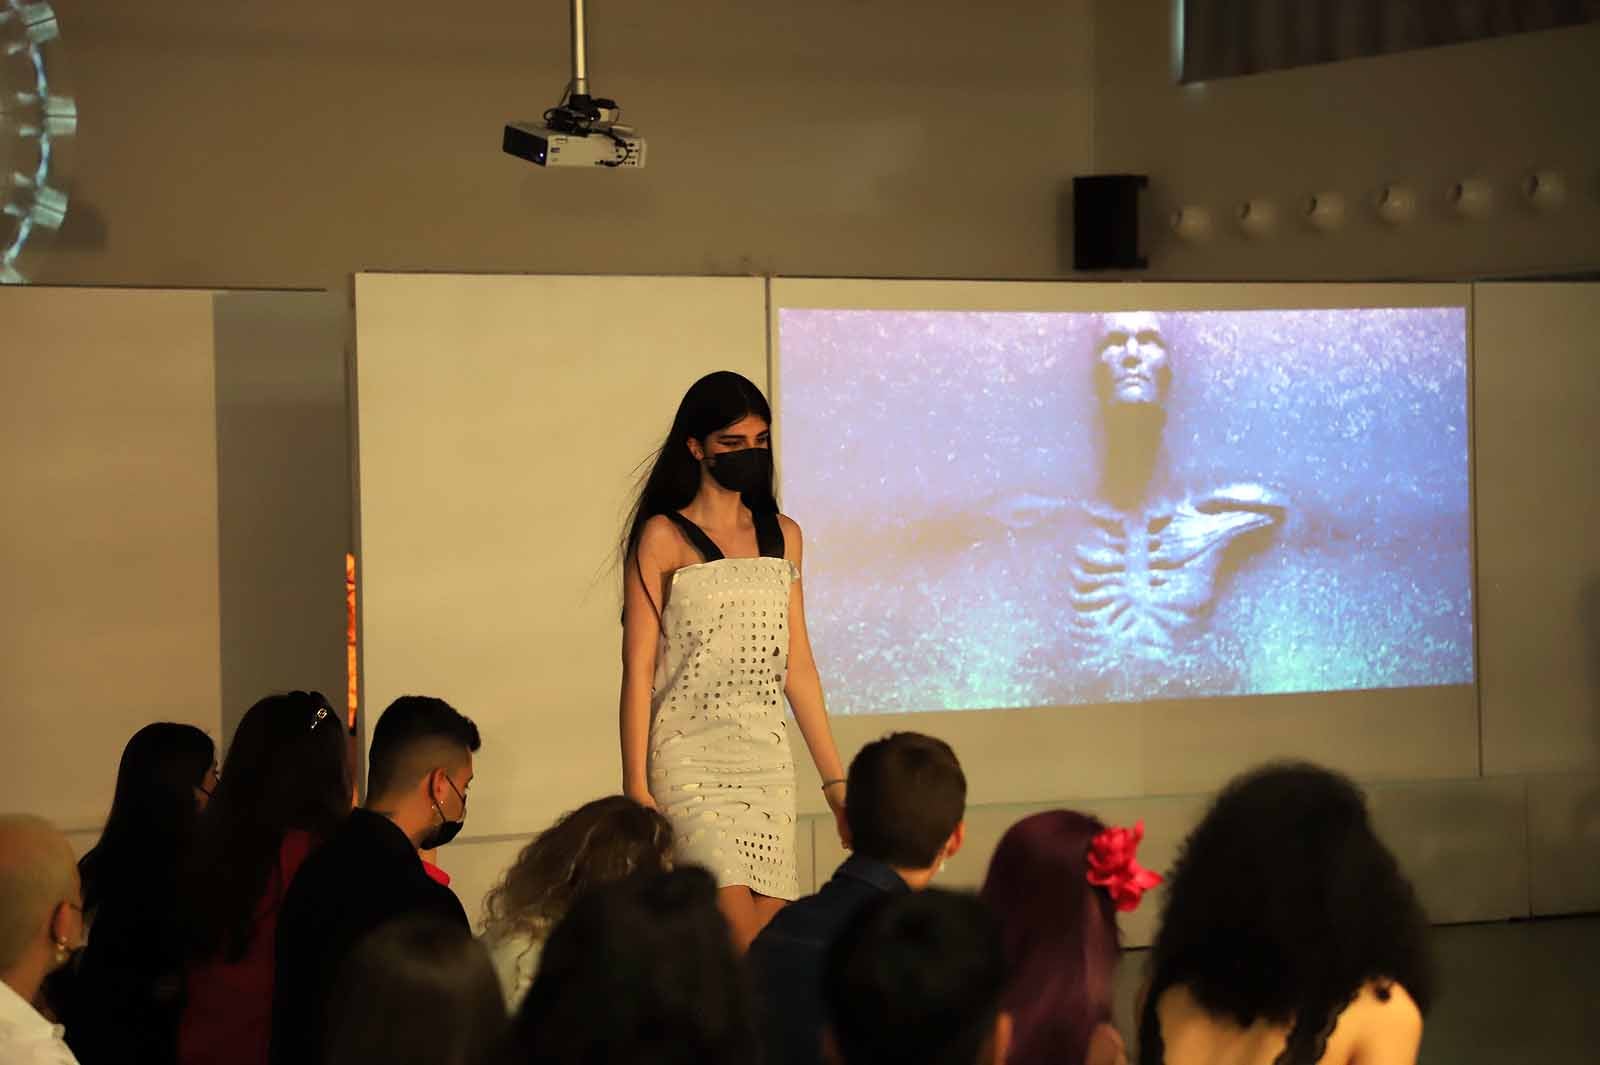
[745, 471]
[446, 830]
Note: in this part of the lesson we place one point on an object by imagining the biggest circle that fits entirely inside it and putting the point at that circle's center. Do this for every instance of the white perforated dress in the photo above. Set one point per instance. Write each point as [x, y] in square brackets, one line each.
[719, 762]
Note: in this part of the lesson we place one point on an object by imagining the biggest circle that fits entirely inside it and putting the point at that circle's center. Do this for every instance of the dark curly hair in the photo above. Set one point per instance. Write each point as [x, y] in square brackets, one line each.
[1282, 906]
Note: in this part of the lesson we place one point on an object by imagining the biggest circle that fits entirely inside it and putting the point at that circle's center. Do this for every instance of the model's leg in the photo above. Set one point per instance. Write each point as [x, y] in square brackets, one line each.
[766, 907]
[747, 913]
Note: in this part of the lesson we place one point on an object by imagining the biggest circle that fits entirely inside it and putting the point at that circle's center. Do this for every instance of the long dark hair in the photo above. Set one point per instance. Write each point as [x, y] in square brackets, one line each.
[418, 991]
[1282, 906]
[599, 842]
[153, 810]
[287, 768]
[639, 972]
[1060, 934]
[714, 402]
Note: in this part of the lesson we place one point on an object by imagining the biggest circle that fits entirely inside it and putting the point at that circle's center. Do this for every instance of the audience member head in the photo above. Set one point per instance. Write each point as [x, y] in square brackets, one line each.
[1060, 933]
[419, 767]
[1282, 906]
[41, 906]
[917, 980]
[639, 972]
[599, 842]
[288, 768]
[166, 775]
[908, 798]
[417, 991]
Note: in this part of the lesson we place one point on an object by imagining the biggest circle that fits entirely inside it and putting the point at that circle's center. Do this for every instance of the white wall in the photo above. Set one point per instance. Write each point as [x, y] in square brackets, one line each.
[501, 423]
[1537, 388]
[1494, 109]
[108, 484]
[174, 476]
[294, 143]
[283, 494]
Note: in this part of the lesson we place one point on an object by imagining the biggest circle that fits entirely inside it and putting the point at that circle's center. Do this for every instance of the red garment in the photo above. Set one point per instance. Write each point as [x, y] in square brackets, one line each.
[228, 1016]
[439, 876]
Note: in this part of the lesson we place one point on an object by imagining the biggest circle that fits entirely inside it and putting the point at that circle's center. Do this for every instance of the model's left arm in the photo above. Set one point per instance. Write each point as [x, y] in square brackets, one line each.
[804, 686]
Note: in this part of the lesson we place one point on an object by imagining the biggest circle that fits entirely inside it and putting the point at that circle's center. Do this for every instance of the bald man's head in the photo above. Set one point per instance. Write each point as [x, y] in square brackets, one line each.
[38, 872]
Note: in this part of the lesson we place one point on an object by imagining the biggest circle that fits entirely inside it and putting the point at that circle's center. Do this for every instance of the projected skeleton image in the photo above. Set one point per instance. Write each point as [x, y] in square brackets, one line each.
[1145, 563]
[1048, 509]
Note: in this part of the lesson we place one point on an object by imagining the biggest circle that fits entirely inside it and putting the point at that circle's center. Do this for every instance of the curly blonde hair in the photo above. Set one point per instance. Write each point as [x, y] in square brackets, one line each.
[599, 842]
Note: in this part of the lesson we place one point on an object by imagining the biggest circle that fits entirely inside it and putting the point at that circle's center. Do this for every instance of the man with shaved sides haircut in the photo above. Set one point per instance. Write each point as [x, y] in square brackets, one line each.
[419, 767]
[41, 924]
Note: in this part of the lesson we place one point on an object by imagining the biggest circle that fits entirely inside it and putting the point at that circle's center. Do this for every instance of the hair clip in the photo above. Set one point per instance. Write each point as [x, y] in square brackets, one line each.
[316, 719]
[1112, 866]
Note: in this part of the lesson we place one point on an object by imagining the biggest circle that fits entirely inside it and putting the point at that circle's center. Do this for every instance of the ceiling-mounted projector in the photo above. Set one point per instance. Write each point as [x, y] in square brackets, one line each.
[560, 144]
[581, 130]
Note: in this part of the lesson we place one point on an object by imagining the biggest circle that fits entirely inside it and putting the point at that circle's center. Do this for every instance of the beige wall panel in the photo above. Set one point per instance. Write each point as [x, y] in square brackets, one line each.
[501, 420]
[283, 494]
[108, 560]
[1463, 843]
[476, 865]
[1167, 820]
[1537, 390]
[1564, 843]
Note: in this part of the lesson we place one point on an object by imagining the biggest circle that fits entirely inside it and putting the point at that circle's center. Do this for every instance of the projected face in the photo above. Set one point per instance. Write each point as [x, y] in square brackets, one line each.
[1133, 365]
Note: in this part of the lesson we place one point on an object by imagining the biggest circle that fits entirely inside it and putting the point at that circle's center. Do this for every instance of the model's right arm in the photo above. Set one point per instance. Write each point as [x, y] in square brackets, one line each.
[644, 582]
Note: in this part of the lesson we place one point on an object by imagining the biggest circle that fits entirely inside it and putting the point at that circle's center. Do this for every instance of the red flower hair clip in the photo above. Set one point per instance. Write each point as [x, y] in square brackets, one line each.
[1112, 866]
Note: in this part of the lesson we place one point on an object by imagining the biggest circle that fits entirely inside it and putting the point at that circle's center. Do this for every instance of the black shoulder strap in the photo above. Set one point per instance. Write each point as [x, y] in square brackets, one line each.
[769, 534]
[697, 536]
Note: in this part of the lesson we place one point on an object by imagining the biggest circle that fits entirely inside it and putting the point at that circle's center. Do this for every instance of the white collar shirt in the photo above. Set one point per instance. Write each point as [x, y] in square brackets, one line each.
[26, 1038]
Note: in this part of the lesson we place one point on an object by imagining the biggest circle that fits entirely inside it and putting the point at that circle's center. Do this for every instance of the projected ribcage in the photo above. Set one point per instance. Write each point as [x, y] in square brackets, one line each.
[1140, 579]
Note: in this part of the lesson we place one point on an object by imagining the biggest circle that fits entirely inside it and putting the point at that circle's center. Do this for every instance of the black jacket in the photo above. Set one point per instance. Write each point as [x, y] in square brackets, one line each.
[366, 875]
[121, 999]
[786, 958]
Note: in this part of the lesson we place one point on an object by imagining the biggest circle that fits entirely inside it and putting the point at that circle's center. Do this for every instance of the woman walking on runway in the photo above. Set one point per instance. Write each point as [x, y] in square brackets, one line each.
[714, 639]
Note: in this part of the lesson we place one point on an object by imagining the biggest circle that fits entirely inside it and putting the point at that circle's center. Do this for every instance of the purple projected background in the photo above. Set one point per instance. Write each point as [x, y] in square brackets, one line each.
[1307, 526]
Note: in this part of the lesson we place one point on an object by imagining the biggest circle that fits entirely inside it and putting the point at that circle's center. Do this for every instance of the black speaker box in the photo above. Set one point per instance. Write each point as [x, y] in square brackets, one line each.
[1105, 222]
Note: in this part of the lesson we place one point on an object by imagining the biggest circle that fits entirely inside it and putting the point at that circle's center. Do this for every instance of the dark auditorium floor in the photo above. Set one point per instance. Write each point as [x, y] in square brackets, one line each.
[1508, 994]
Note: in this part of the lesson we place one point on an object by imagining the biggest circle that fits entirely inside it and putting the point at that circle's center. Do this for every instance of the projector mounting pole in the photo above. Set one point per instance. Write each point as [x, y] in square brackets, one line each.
[580, 58]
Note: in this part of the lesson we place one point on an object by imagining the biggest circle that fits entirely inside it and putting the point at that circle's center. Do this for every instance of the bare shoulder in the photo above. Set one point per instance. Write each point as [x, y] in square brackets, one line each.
[793, 544]
[1389, 1004]
[660, 542]
[1385, 1024]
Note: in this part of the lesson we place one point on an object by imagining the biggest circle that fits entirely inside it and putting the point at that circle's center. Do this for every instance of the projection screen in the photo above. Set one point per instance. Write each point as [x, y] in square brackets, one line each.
[1180, 516]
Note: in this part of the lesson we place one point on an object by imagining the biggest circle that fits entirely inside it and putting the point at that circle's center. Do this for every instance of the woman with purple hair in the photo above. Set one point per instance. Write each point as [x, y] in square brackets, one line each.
[1056, 882]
